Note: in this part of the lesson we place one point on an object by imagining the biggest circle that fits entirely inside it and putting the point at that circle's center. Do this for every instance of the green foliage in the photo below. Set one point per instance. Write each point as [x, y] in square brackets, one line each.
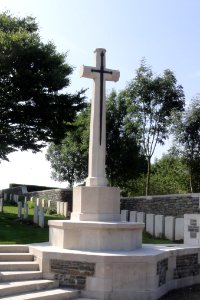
[187, 141]
[34, 107]
[151, 101]
[70, 158]
[169, 176]
[124, 161]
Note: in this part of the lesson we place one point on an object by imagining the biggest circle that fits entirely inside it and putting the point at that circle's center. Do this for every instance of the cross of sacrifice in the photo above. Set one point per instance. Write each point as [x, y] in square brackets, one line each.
[97, 146]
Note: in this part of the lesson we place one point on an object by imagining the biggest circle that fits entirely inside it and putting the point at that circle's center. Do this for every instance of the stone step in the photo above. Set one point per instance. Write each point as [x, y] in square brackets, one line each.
[20, 287]
[14, 249]
[19, 266]
[16, 257]
[20, 275]
[54, 294]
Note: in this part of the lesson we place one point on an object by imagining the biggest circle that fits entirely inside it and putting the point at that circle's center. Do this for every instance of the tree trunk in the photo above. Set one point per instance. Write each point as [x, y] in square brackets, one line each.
[148, 175]
[191, 187]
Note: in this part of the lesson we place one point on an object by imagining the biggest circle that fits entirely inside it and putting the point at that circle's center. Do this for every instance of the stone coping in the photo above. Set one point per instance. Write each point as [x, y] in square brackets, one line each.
[95, 225]
[146, 253]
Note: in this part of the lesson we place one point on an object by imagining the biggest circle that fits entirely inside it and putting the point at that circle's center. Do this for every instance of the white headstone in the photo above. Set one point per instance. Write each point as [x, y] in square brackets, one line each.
[65, 209]
[41, 217]
[43, 202]
[61, 208]
[133, 216]
[38, 201]
[1, 204]
[5, 196]
[35, 217]
[140, 217]
[19, 209]
[150, 223]
[159, 226]
[179, 229]
[97, 145]
[192, 229]
[25, 210]
[124, 215]
[58, 207]
[31, 199]
[170, 227]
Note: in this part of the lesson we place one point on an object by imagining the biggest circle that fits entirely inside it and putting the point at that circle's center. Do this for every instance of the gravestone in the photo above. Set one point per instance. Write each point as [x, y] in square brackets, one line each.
[179, 229]
[170, 228]
[41, 217]
[25, 210]
[133, 216]
[124, 215]
[35, 217]
[1, 204]
[141, 217]
[150, 223]
[19, 214]
[192, 229]
[159, 226]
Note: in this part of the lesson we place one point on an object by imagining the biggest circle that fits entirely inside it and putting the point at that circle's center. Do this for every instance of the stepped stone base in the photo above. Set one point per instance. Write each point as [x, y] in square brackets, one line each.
[146, 273]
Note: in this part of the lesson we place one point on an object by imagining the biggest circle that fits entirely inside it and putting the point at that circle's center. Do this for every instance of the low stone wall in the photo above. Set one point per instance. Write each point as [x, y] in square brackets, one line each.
[167, 205]
[56, 195]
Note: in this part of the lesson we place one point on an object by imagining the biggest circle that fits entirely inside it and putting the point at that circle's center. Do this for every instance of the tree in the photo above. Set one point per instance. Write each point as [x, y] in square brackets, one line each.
[187, 141]
[69, 159]
[34, 107]
[151, 101]
[123, 161]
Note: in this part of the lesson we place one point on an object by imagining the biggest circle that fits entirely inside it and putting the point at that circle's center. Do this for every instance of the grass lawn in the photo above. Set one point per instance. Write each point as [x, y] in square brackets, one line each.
[15, 231]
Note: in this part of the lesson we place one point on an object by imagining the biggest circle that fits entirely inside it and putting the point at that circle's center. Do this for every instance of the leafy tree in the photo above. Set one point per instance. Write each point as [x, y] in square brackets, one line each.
[123, 161]
[151, 101]
[187, 141]
[169, 175]
[69, 159]
[34, 107]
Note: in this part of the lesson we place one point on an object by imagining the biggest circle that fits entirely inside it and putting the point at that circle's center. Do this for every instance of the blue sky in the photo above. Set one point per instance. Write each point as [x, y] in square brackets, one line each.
[165, 32]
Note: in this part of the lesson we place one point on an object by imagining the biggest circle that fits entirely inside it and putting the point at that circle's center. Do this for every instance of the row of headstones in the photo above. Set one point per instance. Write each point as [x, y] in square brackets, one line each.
[61, 207]
[159, 226]
[38, 217]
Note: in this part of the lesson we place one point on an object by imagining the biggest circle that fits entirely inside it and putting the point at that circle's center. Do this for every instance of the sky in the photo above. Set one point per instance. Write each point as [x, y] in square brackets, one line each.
[164, 32]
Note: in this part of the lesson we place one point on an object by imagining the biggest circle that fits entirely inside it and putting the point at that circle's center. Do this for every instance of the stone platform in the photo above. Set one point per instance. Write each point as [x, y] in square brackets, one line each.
[95, 236]
[146, 273]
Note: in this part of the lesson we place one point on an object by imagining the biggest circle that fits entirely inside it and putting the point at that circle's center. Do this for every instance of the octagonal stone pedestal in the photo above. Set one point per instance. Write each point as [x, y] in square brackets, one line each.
[95, 236]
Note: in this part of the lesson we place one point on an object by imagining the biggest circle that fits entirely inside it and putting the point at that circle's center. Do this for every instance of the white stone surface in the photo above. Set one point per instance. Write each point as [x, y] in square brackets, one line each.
[124, 215]
[192, 229]
[170, 227]
[19, 209]
[141, 217]
[65, 209]
[1, 205]
[133, 216]
[35, 217]
[179, 229]
[25, 211]
[129, 275]
[97, 144]
[41, 217]
[150, 223]
[96, 204]
[95, 236]
[159, 226]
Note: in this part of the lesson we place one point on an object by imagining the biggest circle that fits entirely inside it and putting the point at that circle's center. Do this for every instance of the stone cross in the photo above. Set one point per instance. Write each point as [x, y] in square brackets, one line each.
[97, 146]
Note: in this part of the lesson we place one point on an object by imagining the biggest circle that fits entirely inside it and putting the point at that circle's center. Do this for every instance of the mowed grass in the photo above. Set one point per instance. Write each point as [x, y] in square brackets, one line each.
[16, 231]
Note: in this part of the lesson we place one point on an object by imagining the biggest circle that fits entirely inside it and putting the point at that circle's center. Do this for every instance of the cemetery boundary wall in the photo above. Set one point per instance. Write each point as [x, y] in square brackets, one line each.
[167, 205]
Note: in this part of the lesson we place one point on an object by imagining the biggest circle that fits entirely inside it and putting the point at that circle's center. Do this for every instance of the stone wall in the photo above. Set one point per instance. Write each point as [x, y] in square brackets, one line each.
[168, 205]
[62, 195]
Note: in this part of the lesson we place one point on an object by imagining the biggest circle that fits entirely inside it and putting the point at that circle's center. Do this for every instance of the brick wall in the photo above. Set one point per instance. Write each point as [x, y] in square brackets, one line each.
[168, 205]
